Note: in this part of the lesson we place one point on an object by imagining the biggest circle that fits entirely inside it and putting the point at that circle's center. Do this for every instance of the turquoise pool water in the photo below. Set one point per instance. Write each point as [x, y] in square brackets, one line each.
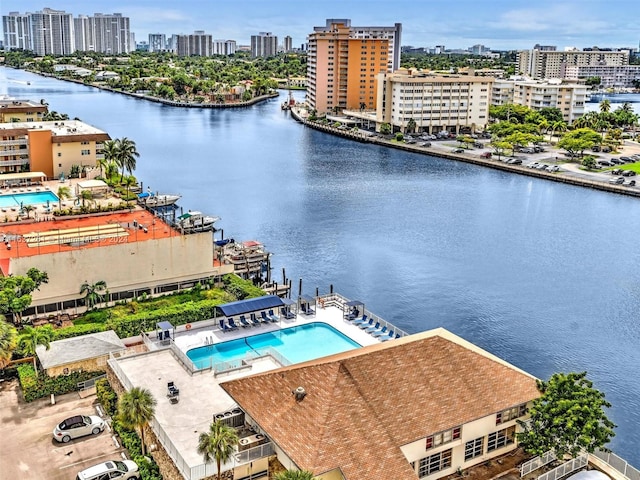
[296, 344]
[29, 198]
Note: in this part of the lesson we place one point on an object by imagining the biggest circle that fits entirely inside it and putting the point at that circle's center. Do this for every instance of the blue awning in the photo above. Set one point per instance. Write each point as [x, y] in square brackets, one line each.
[144, 195]
[164, 326]
[251, 305]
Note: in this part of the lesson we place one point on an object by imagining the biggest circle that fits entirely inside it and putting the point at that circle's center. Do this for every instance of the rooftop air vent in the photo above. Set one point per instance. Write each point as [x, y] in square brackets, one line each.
[299, 393]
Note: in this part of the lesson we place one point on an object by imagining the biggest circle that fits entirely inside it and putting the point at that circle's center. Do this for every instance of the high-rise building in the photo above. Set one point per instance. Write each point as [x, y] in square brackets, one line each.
[157, 42]
[84, 38]
[52, 32]
[343, 63]
[224, 47]
[545, 64]
[17, 31]
[112, 33]
[265, 44]
[198, 43]
[287, 46]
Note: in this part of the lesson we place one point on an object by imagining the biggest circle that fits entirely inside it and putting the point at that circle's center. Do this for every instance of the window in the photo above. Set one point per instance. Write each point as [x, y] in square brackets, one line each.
[500, 438]
[511, 413]
[85, 152]
[59, 154]
[434, 463]
[473, 448]
[440, 438]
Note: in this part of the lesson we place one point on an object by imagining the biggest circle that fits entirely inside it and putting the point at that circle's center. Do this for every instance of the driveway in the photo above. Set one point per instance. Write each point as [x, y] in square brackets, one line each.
[28, 449]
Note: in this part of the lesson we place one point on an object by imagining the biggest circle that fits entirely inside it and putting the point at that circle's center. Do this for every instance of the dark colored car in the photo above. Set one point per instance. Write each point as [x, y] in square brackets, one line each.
[629, 173]
[617, 161]
[458, 150]
[486, 155]
[627, 159]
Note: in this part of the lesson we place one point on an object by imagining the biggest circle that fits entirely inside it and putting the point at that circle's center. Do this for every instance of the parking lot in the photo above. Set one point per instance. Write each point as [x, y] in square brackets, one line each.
[28, 449]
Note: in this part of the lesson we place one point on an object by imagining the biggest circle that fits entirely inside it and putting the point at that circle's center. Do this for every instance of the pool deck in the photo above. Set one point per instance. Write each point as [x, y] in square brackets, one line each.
[201, 396]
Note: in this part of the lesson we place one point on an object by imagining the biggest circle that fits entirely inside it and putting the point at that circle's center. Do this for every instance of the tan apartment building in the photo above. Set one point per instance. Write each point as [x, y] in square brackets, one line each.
[611, 76]
[134, 252]
[49, 147]
[546, 64]
[343, 63]
[433, 101]
[21, 111]
[570, 98]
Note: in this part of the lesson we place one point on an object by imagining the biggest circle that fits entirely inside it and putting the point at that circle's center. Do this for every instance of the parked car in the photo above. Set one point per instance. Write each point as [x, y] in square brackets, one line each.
[120, 469]
[458, 150]
[595, 148]
[526, 150]
[542, 166]
[606, 149]
[538, 149]
[628, 173]
[486, 155]
[533, 165]
[514, 161]
[617, 181]
[553, 168]
[478, 144]
[78, 426]
[605, 163]
[617, 161]
[626, 159]
[616, 171]
[424, 144]
[632, 183]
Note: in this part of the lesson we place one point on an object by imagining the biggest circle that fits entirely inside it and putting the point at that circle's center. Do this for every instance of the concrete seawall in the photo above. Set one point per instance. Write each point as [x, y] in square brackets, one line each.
[474, 159]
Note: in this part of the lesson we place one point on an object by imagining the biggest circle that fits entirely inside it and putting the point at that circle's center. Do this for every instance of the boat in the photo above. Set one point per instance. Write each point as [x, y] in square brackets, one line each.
[249, 259]
[155, 200]
[192, 222]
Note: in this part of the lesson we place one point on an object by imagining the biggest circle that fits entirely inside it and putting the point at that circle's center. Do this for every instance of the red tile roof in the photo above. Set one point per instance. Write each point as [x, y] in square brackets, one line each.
[361, 406]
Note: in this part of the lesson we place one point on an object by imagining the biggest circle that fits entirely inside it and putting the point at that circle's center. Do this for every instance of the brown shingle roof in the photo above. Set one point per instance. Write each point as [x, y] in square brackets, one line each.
[362, 405]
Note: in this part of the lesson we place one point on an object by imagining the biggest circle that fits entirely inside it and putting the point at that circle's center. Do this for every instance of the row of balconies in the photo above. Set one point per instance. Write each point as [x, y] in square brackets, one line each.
[22, 141]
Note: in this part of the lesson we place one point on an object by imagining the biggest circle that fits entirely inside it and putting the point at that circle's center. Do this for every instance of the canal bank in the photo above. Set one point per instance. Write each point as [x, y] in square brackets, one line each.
[566, 176]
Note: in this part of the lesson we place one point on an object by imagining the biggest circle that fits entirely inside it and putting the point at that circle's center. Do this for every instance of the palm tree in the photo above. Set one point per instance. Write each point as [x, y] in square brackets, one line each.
[63, 193]
[218, 443]
[136, 409]
[91, 291]
[8, 341]
[605, 106]
[28, 209]
[86, 196]
[127, 154]
[110, 151]
[30, 338]
[560, 126]
[294, 475]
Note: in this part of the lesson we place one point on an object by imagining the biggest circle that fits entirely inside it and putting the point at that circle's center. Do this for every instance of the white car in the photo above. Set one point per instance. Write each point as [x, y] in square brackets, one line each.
[533, 164]
[553, 168]
[122, 470]
[78, 426]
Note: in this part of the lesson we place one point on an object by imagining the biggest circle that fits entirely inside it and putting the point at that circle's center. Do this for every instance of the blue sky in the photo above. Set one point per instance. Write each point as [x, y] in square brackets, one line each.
[499, 24]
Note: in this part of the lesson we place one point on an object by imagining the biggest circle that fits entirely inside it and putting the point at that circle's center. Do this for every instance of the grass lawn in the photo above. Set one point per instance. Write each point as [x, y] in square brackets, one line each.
[627, 166]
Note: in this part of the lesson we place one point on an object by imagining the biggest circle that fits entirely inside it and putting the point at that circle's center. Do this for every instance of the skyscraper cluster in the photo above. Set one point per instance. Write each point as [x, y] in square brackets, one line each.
[55, 32]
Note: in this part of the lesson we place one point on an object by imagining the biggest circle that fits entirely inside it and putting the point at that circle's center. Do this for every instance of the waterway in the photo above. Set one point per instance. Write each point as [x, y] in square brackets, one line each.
[542, 274]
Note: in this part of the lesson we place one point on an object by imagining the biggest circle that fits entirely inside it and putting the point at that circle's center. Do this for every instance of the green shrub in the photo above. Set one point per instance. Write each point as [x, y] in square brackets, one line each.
[106, 396]
[36, 386]
[77, 330]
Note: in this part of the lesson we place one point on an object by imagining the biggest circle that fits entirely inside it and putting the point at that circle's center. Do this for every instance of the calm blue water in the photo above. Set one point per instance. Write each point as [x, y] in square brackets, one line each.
[35, 198]
[296, 344]
[544, 275]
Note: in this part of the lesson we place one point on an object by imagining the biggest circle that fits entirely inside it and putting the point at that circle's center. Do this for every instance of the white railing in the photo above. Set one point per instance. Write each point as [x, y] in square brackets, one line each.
[185, 360]
[253, 454]
[124, 380]
[619, 464]
[537, 462]
[171, 450]
[566, 468]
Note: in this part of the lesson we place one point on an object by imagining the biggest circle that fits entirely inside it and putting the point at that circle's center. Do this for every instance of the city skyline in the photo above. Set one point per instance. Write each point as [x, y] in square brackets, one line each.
[501, 25]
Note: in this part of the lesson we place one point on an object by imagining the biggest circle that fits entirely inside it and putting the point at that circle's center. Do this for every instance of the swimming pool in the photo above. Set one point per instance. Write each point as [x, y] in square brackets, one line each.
[29, 198]
[296, 344]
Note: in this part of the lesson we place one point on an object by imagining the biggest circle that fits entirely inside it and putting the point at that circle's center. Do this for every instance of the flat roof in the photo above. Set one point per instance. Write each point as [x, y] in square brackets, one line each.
[58, 127]
[66, 234]
[21, 176]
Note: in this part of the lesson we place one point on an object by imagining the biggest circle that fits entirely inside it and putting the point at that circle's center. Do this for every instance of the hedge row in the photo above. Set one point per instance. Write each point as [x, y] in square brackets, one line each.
[36, 386]
[149, 470]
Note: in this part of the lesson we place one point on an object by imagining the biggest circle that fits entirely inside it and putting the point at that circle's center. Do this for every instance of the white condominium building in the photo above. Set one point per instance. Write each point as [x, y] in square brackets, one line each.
[52, 32]
[569, 98]
[435, 102]
[17, 31]
[618, 76]
[199, 43]
[544, 64]
[224, 47]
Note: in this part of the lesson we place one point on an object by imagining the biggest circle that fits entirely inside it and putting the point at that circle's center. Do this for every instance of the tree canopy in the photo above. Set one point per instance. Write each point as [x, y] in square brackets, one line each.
[567, 418]
[579, 140]
[15, 292]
